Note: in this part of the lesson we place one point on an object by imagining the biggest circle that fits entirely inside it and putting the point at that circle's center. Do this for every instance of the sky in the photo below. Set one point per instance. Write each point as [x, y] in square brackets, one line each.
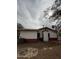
[29, 12]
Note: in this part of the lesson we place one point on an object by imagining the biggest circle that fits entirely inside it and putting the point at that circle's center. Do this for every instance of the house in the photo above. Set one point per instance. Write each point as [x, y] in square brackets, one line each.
[33, 35]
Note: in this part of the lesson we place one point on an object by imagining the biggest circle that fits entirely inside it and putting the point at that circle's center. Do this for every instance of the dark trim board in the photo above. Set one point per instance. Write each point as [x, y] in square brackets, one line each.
[36, 40]
[52, 39]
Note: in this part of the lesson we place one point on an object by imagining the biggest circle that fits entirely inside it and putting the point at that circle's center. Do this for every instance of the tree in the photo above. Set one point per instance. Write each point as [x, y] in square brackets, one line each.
[56, 15]
[57, 8]
[19, 26]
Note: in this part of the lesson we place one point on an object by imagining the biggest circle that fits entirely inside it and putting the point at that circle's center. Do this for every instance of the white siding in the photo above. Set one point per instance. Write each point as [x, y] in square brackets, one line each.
[28, 34]
[52, 34]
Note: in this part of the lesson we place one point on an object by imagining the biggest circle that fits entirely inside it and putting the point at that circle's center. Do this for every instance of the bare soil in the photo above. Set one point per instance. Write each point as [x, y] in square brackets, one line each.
[44, 50]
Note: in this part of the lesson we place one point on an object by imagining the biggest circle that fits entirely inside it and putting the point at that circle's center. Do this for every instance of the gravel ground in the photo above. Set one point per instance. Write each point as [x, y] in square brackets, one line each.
[40, 50]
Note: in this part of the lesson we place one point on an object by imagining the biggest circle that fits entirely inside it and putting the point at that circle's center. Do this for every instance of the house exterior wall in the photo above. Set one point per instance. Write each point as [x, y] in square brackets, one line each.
[28, 34]
[32, 36]
[52, 34]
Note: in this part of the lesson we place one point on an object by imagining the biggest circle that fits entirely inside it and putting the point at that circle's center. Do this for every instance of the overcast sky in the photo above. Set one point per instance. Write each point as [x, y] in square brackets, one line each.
[29, 12]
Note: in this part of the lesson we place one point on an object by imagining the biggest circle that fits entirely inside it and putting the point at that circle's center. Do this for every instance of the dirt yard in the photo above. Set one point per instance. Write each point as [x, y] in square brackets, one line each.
[39, 50]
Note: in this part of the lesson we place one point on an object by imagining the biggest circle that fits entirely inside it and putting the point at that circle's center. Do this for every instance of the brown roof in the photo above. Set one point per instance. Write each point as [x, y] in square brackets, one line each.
[36, 29]
[48, 29]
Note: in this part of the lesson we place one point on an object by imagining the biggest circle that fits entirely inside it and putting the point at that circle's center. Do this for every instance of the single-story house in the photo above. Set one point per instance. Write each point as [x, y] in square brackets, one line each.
[34, 35]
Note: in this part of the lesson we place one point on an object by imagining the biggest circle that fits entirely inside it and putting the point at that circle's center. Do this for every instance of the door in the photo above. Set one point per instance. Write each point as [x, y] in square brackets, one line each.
[45, 37]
